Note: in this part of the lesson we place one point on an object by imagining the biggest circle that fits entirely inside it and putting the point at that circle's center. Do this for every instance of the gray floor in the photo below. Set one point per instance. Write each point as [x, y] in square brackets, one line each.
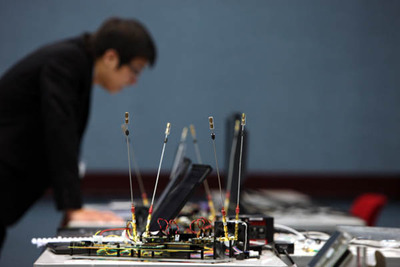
[42, 221]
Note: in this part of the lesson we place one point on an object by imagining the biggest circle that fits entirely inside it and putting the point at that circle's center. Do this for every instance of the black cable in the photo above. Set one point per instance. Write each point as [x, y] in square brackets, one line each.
[290, 258]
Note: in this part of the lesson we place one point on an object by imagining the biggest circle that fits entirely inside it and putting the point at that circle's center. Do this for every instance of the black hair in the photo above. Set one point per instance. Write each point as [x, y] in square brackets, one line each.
[127, 36]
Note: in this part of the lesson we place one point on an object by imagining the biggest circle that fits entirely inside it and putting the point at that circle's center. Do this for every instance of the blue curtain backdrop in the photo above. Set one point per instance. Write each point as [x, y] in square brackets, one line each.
[318, 80]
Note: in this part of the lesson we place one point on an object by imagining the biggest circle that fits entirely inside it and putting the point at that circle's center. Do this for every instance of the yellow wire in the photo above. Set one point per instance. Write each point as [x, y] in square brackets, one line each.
[113, 236]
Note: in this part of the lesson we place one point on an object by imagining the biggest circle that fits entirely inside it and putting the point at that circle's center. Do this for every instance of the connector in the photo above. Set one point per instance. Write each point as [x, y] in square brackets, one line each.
[281, 246]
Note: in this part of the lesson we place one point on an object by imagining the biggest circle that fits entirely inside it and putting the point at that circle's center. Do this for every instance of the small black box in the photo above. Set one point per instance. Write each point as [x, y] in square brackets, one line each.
[282, 246]
[261, 228]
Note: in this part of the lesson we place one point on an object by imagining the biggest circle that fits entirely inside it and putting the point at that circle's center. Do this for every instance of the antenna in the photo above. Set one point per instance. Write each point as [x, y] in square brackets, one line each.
[231, 164]
[211, 123]
[167, 132]
[133, 222]
[243, 123]
[205, 183]
[131, 156]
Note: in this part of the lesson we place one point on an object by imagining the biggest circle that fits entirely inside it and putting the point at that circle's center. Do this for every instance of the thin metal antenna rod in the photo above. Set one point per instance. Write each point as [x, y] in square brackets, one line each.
[133, 221]
[167, 132]
[240, 156]
[226, 237]
[161, 160]
[130, 171]
[211, 122]
[237, 210]
[205, 182]
[231, 164]
[131, 157]
[126, 132]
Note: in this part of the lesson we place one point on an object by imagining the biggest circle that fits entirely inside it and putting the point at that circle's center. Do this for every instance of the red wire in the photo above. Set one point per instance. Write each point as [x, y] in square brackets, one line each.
[198, 223]
[159, 224]
[208, 221]
[177, 226]
[190, 228]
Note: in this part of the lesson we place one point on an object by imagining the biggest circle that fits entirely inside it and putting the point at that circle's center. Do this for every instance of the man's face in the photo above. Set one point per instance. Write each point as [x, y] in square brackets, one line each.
[114, 78]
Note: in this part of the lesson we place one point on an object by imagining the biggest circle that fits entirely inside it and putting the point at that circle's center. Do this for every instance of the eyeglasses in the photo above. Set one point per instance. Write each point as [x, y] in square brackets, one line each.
[135, 71]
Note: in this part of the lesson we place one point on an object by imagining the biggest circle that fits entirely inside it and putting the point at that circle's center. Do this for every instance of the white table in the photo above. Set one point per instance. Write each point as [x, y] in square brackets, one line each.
[49, 259]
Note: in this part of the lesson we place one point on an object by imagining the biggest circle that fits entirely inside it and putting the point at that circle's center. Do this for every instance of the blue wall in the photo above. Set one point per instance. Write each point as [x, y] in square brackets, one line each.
[319, 80]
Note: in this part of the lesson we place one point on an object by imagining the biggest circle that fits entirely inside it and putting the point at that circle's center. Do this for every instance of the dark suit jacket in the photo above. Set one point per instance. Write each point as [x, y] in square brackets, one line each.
[44, 104]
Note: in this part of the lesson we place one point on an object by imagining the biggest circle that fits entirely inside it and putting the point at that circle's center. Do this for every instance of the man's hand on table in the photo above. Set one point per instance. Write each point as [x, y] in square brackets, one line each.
[91, 215]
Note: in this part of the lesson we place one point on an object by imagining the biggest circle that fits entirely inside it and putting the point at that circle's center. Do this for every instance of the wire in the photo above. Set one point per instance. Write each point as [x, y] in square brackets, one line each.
[170, 227]
[245, 233]
[290, 258]
[166, 225]
[291, 230]
[190, 227]
[315, 235]
[111, 229]
[206, 221]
